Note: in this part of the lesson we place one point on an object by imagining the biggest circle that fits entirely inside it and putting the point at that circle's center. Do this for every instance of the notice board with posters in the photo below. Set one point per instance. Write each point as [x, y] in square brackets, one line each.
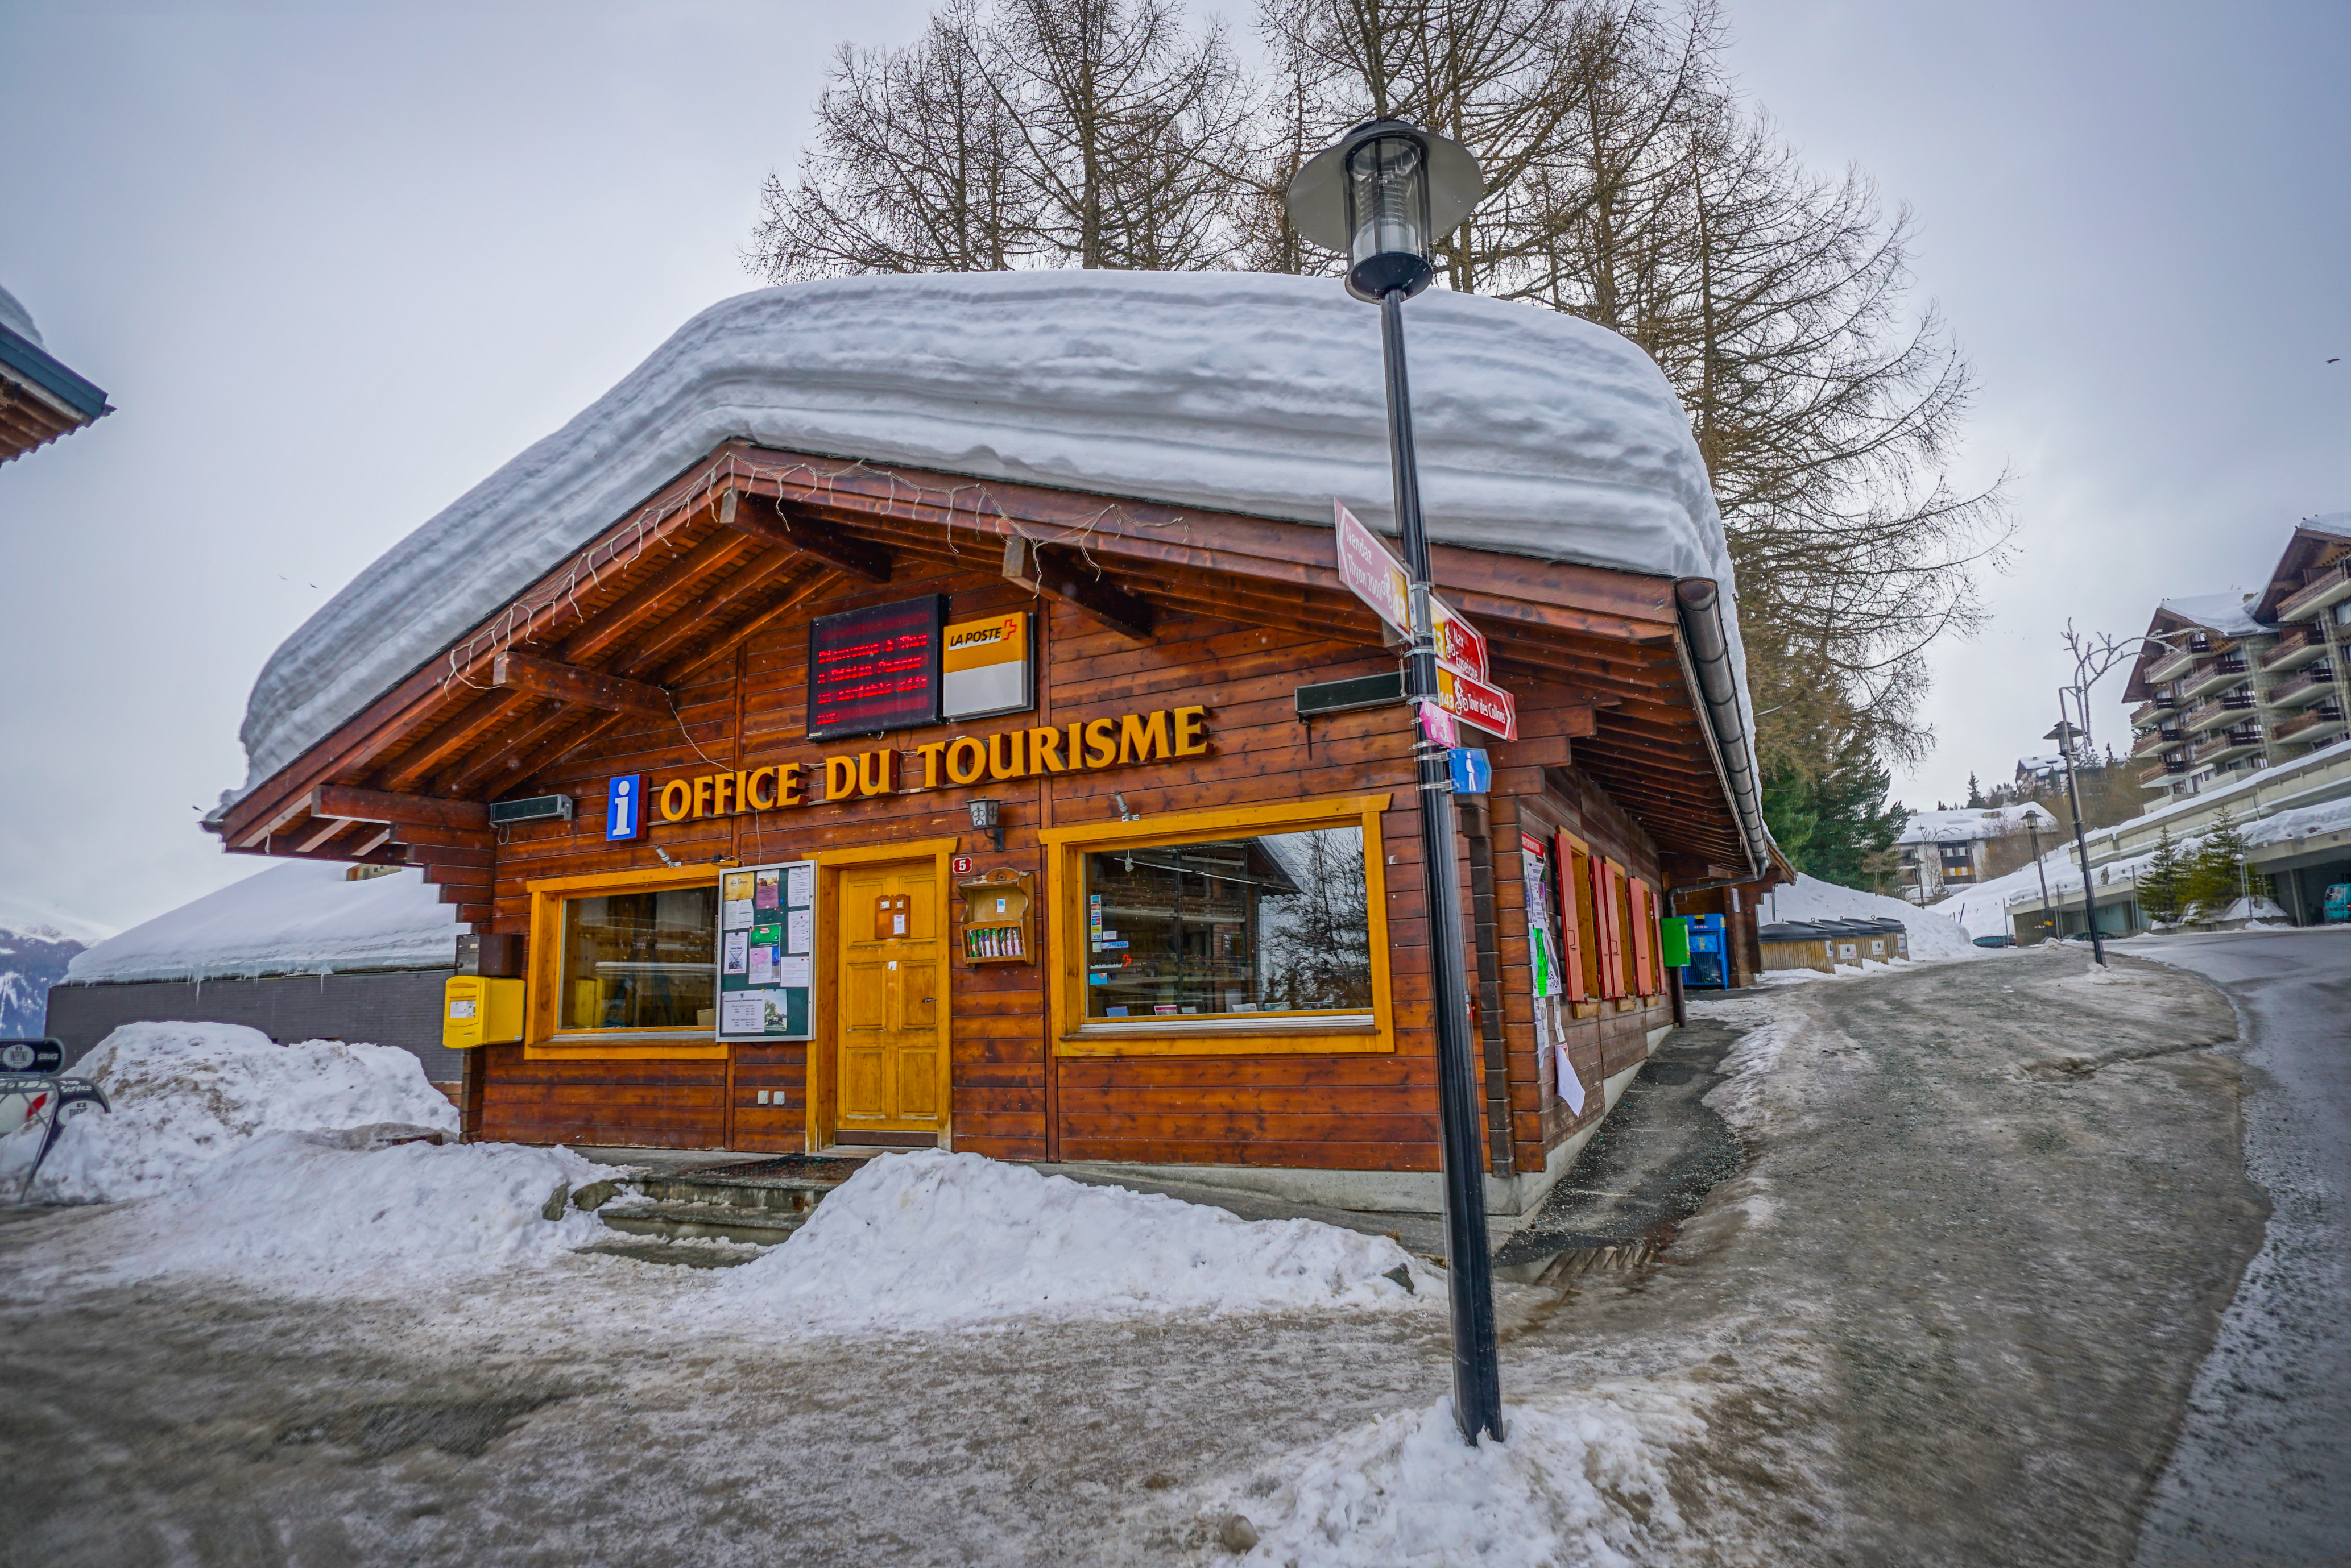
[767, 952]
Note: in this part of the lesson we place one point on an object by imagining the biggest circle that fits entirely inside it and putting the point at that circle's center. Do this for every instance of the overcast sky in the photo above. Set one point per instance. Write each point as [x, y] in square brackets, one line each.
[334, 266]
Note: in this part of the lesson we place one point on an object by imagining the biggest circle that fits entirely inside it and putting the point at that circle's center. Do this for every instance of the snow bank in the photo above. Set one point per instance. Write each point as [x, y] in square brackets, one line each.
[301, 917]
[1578, 1480]
[1538, 434]
[1931, 935]
[932, 1240]
[334, 1214]
[187, 1096]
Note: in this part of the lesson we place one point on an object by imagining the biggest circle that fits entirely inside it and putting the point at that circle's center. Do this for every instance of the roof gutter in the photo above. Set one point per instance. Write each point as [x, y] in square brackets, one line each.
[1706, 642]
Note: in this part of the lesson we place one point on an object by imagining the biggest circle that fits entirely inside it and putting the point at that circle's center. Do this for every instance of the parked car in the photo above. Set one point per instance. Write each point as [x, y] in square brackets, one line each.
[1999, 942]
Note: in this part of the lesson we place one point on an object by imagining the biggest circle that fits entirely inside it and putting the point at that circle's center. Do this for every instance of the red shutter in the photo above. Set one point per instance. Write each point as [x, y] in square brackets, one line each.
[1607, 878]
[1570, 929]
[1645, 950]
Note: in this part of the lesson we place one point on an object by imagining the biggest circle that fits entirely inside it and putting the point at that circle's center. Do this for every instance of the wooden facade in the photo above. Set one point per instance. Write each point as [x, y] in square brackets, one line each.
[677, 646]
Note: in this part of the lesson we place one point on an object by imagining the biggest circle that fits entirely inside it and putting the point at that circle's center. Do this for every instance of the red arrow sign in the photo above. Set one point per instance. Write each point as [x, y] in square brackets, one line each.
[1473, 701]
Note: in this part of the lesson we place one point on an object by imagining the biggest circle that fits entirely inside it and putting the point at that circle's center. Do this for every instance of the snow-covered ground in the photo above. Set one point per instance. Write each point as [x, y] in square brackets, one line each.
[1785, 1387]
[1932, 936]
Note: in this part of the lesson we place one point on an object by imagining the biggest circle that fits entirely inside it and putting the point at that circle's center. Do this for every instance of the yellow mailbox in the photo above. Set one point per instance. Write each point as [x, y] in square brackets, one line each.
[477, 1009]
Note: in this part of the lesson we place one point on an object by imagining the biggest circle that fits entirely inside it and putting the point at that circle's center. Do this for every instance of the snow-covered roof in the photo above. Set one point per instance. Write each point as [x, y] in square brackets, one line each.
[298, 917]
[2229, 614]
[1966, 825]
[2337, 522]
[18, 320]
[1538, 434]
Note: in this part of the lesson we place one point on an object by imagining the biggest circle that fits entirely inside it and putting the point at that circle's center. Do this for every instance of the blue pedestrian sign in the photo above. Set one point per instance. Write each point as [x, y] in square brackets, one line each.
[624, 807]
[1472, 774]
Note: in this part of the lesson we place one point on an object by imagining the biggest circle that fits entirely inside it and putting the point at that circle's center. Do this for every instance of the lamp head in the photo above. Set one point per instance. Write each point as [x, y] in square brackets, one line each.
[1384, 194]
[983, 815]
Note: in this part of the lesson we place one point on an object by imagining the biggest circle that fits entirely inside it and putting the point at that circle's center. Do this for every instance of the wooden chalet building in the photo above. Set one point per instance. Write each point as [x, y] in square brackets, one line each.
[710, 769]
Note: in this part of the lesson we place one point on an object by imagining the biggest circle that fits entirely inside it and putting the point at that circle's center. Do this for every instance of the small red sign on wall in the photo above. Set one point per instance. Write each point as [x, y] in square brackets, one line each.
[963, 864]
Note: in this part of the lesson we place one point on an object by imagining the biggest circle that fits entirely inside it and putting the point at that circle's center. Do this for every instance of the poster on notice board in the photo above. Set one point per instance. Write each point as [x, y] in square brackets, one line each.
[766, 931]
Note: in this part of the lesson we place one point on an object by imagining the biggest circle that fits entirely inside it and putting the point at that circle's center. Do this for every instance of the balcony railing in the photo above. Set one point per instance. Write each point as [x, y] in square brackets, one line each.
[2212, 673]
[2155, 741]
[2145, 712]
[2238, 738]
[2326, 587]
[2314, 682]
[2306, 726]
[2211, 710]
[2170, 767]
[2295, 645]
[2170, 664]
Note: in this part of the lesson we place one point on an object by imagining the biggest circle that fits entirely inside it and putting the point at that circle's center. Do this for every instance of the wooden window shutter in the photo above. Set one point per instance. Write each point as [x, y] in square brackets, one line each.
[1568, 862]
[1608, 892]
[1645, 947]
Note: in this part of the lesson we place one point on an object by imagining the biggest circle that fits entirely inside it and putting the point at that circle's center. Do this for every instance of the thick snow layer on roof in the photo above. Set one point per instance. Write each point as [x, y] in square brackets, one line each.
[1966, 825]
[2330, 522]
[300, 917]
[2229, 614]
[18, 319]
[1931, 935]
[1538, 434]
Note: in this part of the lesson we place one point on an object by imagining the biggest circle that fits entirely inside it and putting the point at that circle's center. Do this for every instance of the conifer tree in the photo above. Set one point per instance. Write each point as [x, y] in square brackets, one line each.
[2218, 875]
[1974, 794]
[2160, 885]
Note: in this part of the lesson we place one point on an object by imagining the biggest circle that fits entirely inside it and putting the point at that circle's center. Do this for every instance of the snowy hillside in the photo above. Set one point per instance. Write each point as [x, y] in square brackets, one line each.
[31, 961]
[1931, 935]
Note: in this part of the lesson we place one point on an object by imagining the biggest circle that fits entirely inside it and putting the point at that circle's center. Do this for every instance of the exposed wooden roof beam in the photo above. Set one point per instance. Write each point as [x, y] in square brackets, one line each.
[1055, 570]
[777, 523]
[650, 598]
[348, 804]
[580, 688]
[447, 740]
[705, 618]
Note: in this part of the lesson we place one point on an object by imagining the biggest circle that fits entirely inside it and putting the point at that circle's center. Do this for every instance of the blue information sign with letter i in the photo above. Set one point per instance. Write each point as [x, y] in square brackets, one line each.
[624, 807]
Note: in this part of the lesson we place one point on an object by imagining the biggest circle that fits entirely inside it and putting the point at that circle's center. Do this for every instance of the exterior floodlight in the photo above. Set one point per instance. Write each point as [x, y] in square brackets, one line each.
[1384, 195]
[988, 817]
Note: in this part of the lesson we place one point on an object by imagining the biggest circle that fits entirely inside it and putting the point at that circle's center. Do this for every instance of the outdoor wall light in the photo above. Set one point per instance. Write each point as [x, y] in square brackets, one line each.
[1384, 195]
[987, 816]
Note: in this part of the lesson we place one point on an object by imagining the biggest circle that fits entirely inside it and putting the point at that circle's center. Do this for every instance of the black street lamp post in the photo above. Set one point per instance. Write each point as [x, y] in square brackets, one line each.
[1383, 197]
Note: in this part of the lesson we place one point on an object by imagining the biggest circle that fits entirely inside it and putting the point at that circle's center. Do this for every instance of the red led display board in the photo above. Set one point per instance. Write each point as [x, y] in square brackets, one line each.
[876, 670]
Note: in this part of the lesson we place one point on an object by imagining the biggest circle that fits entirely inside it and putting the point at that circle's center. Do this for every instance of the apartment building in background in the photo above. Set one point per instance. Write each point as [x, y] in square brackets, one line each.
[2231, 683]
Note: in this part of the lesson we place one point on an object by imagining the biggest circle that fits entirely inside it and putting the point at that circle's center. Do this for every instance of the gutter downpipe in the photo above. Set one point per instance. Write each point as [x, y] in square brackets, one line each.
[1707, 647]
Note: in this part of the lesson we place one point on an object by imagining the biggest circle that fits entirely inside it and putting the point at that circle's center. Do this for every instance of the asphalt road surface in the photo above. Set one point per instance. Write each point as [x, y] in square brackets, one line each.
[2263, 1470]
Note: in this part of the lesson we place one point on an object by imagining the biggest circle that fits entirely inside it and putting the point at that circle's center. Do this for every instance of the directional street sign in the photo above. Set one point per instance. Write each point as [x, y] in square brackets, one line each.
[1371, 573]
[1374, 576]
[1473, 701]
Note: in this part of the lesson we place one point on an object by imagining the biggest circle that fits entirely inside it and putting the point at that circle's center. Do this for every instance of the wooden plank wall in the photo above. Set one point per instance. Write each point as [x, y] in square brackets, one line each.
[1363, 1112]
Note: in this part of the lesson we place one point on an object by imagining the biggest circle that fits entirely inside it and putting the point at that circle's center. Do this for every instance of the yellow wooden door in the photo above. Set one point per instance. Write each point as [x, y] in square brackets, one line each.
[892, 991]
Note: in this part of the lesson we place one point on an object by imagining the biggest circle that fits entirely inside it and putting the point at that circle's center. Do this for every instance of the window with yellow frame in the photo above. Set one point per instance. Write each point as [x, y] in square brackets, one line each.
[1249, 930]
[624, 965]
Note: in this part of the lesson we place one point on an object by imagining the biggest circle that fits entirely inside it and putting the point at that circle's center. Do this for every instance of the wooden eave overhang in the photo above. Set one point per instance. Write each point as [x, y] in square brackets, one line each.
[748, 536]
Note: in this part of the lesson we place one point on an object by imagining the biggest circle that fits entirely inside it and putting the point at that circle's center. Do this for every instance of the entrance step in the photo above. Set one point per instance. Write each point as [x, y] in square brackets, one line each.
[758, 1201]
